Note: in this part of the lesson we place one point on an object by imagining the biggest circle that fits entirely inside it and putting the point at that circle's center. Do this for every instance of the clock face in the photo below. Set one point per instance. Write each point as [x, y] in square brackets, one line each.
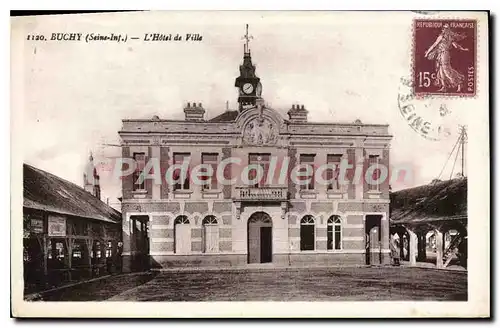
[247, 88]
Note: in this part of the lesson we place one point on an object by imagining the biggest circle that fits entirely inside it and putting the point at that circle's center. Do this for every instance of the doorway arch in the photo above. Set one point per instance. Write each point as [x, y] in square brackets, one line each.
[260, 238]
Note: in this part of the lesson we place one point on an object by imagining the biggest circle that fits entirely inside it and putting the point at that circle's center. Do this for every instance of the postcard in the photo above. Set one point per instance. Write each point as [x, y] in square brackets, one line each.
[250, 164]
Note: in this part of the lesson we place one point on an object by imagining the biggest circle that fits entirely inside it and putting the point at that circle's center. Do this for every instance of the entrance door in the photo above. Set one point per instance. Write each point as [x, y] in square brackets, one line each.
[253, 243]
[211, 238]
[140, 232]
[266, 244]
[182, 235]
[373, 239]
[182, 238]
[260, 238]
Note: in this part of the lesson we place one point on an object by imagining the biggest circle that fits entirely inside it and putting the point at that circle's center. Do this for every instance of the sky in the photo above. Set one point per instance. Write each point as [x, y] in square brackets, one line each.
[72, 95]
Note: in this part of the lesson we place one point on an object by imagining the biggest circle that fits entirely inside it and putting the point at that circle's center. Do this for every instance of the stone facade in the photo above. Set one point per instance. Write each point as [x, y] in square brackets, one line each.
[216, 220]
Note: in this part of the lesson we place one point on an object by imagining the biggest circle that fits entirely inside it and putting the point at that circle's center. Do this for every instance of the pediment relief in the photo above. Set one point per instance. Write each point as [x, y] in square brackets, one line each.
[260, 126]
[260, 131]
[259, 111]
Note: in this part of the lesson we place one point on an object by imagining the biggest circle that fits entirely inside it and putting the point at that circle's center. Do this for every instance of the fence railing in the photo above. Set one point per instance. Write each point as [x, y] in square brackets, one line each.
[262, 193]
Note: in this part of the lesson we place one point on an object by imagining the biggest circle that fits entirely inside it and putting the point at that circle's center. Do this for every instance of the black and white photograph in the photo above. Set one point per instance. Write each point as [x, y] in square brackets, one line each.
[184, 158]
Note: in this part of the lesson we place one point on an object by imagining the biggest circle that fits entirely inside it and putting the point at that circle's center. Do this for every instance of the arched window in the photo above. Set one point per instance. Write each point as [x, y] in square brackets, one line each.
[182, 234]
[334, 232]
[210, 234]
[307, 240]
[210, 219]
[181, 220]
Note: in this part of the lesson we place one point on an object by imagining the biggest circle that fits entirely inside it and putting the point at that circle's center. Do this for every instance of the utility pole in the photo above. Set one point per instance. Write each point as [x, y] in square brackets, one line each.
[462, 145]
[459, 143]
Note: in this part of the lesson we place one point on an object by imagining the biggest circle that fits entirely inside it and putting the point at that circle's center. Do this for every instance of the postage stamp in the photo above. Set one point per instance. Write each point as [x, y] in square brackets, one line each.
[445, 57]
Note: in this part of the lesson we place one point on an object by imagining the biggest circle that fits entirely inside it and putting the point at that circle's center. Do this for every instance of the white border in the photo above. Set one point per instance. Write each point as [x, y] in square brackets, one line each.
[479, 183]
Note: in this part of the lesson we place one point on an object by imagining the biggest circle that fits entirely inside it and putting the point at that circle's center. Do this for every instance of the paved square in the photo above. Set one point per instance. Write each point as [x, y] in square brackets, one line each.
[307, 284]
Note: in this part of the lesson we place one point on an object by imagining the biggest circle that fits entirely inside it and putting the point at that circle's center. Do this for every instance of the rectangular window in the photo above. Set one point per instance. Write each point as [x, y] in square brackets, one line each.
[307, 159]
[179, 159]
[332, 175]
[210, 183]
[334, 236]
[374, 160]
[109, 249]
[97, 249]
[59, 250]
[77, 251]
[261, 160]
[140, 160]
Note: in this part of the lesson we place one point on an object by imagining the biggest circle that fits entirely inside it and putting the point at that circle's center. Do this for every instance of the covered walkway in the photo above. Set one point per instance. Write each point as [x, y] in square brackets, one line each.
[429, 223]
[69, 235]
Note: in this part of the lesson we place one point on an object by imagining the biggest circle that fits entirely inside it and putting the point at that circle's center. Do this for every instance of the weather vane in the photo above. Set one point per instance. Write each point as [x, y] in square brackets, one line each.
[247, 38]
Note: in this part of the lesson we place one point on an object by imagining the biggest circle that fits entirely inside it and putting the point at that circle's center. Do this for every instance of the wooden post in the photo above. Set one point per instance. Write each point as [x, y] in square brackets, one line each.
[102, 260]
[53, 250]
[90, 243]
[44, 245]
[114, 255]
[69, 248]
[439, 249]
[412, 247]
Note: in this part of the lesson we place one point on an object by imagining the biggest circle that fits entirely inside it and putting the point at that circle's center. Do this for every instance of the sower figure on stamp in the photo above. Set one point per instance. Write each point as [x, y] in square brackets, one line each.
[446, 76]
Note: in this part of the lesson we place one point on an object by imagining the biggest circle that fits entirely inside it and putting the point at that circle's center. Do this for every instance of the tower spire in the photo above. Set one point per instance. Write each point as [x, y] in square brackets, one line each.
[248, 84]
[247, 38]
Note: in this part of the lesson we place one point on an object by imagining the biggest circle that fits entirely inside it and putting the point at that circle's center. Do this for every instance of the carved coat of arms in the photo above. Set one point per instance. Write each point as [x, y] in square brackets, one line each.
[260, 131]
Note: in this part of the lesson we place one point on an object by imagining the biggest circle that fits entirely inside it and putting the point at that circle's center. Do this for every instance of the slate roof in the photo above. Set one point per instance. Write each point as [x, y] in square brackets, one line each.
[228, 116]
[445, 200]
[47, 192]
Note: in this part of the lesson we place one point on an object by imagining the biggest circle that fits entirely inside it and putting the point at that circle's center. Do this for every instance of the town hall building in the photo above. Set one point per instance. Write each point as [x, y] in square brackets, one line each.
[246, 221]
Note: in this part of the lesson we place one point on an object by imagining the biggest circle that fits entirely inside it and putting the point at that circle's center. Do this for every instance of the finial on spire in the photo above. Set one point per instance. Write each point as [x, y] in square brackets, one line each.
[91, 158]
[247, 39]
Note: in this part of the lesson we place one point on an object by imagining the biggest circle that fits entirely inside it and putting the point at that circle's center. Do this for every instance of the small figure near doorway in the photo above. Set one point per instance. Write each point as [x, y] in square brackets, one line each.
[394, 245]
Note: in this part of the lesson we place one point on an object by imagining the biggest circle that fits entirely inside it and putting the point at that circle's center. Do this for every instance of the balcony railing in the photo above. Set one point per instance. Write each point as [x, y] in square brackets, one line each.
[262, 193]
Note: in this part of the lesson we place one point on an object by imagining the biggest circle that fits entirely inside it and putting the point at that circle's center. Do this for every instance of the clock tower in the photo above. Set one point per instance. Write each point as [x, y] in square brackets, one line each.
[248, 84]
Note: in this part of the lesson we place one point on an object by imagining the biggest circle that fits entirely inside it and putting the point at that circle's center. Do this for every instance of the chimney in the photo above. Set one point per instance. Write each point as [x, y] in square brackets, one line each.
[194, 112]
[297, 114]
